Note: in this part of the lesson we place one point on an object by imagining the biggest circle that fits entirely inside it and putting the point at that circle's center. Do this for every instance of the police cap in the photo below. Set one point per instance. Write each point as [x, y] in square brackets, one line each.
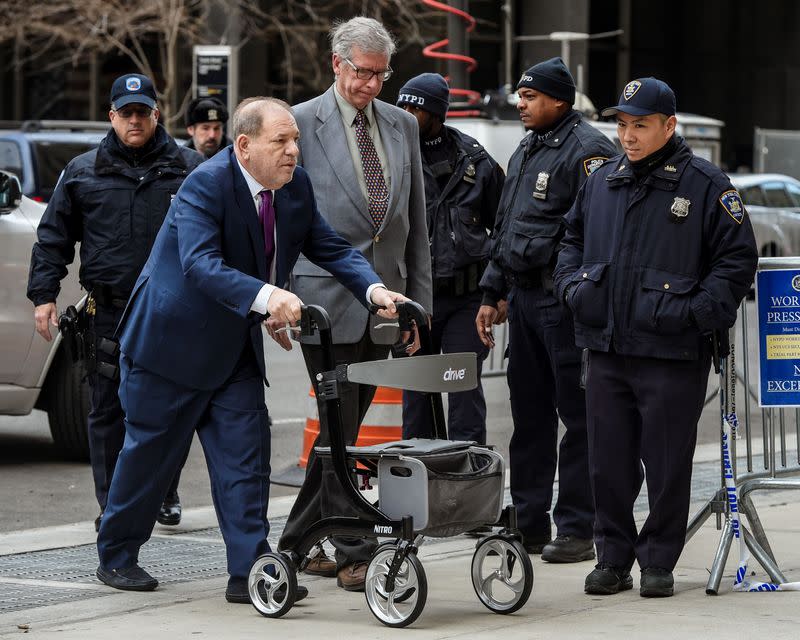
[644, 97]
[208, 109]
[130, 88]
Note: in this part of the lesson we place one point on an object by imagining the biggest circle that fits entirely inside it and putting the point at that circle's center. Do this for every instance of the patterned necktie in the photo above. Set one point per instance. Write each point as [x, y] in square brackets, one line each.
[266, 216]
[377, 192]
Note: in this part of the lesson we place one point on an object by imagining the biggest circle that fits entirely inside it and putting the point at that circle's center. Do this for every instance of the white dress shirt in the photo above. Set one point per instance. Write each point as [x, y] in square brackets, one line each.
[262, 298]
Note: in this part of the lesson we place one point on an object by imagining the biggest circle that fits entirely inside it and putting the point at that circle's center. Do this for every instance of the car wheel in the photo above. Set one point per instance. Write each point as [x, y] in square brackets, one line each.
[67, 396]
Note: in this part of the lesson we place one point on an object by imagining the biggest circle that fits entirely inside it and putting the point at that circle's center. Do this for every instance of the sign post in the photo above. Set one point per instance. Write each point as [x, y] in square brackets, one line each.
[215, 72]
[778, 301]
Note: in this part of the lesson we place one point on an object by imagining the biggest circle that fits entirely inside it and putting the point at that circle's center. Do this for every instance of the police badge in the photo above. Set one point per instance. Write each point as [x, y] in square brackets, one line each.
[630, 89]
[541, 185]
[469, 173]
[680, 208]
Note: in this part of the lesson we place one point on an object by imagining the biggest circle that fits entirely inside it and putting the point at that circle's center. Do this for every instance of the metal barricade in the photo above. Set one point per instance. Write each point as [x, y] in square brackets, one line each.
[768, 457]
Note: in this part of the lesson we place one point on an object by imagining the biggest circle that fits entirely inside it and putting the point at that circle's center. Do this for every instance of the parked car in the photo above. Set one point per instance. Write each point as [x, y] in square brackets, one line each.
[35, 373]
[773, 202]
[36, 151]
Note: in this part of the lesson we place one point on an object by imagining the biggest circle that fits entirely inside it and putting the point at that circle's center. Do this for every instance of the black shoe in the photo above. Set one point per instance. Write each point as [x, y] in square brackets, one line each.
[606, 580]
[128, 579]
[237, 592]
[170, 512]
[568, 549]
[535, 544]
[656, 583]
[97, 521]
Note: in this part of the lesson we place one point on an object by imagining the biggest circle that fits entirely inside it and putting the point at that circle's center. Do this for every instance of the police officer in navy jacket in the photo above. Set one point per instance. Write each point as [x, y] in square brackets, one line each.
[551, 163]
[112, 200]
[658, 254]
[462, 189]
[191, 340]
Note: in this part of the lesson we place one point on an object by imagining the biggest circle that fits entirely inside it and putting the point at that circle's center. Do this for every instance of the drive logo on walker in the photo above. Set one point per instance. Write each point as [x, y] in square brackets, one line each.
[454, 374]
[778, 301]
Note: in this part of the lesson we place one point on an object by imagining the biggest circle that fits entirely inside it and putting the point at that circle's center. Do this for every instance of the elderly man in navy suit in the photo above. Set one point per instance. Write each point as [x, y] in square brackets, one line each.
[191, 341]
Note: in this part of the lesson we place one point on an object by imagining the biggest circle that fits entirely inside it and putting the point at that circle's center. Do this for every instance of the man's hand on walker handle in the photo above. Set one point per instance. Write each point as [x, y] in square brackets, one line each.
[385, 299]
[284, 310]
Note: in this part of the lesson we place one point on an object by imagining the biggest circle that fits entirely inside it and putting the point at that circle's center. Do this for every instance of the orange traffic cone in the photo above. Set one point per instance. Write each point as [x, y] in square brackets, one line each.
[383, 422]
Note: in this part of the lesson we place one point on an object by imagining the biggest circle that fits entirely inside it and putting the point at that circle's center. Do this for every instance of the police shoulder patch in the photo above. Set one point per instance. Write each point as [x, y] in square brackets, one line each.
[590, 165]
[731, 201]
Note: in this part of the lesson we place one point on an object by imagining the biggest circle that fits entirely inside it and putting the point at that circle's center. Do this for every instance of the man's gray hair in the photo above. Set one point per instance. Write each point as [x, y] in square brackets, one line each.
[248, 121]
[369, 35]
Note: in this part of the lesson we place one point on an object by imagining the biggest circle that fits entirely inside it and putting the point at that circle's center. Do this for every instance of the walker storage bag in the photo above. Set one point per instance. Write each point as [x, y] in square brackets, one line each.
[447, 486]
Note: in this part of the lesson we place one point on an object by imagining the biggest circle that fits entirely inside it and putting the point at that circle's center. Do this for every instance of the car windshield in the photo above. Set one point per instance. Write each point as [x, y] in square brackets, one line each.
[776, 195]
[51, 158]
[753, 196]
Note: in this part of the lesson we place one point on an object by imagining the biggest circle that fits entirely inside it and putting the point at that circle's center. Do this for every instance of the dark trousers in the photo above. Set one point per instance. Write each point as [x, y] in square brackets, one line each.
[106, 419]
[321, 495]
[544, 383]
[452, 331]
[160, 419]
[642, 410]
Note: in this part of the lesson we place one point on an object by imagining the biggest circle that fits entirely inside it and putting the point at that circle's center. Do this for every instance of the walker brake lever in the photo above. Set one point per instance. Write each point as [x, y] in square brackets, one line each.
[287, 328]
[374, 308]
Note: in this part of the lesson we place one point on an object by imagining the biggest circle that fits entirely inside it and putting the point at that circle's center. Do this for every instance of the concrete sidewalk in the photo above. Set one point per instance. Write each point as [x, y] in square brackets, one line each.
[37, 599]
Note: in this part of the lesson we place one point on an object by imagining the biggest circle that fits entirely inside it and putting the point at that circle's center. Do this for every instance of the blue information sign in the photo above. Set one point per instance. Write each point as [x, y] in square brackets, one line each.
[778, 296]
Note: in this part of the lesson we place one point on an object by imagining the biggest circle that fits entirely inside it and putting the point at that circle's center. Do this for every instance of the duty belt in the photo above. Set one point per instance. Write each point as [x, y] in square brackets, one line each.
[464, 280]
[537, 279]
[106, 296]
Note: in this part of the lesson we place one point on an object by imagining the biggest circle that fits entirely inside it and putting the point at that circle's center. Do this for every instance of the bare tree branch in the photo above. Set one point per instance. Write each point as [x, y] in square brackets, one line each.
[151, 33]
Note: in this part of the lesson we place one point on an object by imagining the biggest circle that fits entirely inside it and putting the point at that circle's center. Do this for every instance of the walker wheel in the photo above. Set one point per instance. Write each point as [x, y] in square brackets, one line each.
[403, 604]
[272, 585]
[502, 574]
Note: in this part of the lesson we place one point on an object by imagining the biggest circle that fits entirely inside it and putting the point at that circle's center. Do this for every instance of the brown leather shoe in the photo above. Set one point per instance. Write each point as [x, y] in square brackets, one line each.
[321, 565]
[353, 577]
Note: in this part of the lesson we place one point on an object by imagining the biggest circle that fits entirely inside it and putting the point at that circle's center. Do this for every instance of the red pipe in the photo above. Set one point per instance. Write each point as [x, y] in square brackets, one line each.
[432, 51]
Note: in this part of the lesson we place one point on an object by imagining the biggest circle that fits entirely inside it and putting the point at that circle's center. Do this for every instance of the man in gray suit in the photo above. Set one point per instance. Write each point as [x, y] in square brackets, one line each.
[363, 158]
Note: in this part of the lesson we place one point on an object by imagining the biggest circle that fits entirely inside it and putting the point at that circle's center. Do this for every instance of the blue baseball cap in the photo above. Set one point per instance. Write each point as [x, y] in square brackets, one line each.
[643, 97]
[131, 88]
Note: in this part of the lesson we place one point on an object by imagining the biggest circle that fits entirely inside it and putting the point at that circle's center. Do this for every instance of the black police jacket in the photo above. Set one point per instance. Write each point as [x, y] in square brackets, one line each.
[650, 268]
[113, 204]
[461, 215]
[542, 182]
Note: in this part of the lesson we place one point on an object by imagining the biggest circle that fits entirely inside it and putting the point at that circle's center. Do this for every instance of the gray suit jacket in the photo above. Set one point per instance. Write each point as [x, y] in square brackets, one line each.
[399, 252]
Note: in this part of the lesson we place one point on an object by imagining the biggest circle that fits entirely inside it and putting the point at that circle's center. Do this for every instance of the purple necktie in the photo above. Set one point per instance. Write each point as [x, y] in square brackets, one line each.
[266, 216]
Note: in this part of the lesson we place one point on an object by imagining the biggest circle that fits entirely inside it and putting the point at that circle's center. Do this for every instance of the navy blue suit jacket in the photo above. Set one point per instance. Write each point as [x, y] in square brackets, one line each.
[189, 316]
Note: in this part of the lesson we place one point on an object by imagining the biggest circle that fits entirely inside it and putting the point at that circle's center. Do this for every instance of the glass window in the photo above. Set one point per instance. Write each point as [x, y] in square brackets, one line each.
[753, 196]
[794, 193]
[10, 158]
[51, 158]
[776, 195]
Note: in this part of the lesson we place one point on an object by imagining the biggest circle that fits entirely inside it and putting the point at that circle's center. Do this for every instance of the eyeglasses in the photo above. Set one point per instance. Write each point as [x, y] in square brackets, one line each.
[368, 74]
[129, 112]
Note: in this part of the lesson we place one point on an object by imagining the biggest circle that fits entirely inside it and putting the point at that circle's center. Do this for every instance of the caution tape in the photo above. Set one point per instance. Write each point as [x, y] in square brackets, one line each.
[739, 582]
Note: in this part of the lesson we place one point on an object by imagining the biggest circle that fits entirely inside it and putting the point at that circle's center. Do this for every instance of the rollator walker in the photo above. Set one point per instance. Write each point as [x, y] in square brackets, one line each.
[427, 487]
